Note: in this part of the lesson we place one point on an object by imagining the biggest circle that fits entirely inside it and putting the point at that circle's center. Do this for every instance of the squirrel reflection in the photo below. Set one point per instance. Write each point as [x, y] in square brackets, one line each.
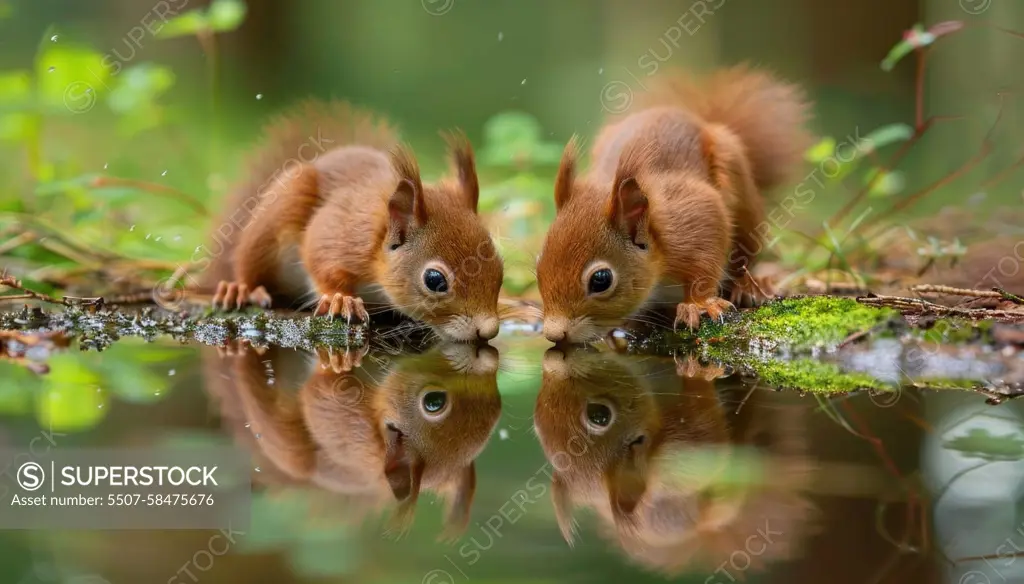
[377, 434]
[676, 482]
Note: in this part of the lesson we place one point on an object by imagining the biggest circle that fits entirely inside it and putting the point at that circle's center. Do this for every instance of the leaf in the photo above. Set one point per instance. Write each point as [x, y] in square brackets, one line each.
[916, 38]
[890, 183]
[514, 139]
[185, 24]
[18, 124]
[69, 78]
[226, 15]
[138, 86]
[980, 443]
[71, 397]
[885, 135]
[821, 151]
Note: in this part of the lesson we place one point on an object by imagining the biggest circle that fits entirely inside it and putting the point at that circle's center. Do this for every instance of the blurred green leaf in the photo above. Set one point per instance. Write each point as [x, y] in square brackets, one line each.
[890, 183]
[884, 136]
[70, 77]
[515, 139]
[821, 151]
[185, 24]
[71, 398]
[138, 86]
[16, 92]
[222, 15]
[917, 37]
[983, 444]
[226, 15]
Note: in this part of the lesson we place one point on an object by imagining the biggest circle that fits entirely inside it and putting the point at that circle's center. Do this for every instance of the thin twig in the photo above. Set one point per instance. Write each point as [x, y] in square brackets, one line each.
[1008, 296]
[10, 282]
[951, 291]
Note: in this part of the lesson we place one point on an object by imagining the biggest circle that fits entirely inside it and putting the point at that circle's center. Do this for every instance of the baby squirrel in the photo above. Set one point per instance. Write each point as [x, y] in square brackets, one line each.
[375, 435]
[671, 209]
[353, 221]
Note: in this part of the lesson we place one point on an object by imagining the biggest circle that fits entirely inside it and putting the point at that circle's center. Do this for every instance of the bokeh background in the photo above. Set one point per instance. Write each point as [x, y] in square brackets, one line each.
[120, 133]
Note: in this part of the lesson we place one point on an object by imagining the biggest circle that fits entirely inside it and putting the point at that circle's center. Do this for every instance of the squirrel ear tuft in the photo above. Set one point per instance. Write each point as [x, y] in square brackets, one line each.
[566, 173]
[562, 501]
[627, 210]
[465, 166]
[406, 207]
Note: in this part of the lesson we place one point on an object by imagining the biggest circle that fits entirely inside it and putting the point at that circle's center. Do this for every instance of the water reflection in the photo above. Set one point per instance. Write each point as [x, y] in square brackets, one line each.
[377, 434]
[645, 443]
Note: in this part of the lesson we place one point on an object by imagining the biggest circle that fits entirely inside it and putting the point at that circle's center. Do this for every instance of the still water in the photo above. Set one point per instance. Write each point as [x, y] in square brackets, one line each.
[517, 462]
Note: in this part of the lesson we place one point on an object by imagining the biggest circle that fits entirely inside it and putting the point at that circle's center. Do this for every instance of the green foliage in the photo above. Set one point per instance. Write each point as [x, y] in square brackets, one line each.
[799, 324]
[814, 376]
[220, 16]
[515, 140]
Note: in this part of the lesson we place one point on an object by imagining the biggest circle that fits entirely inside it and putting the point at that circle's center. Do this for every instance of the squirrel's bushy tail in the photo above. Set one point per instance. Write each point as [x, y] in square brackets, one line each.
[768, 115]
[298, 135]
[306, 131]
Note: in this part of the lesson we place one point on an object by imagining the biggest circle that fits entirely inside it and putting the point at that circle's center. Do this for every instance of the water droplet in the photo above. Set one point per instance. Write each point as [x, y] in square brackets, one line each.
[148, 235]
[503, 434]
[600, 71]
[259, 96]
[53, 38]
[52, 69]
[177, 238]
[88, 90]
[132, 228]
[164, 173]
[100, 406]
[105, 165]
[501, 35]
[523, 83]
[257, 469]
[98, 390]
[156, 393]
[247, 424]
[258, 435]
[171, 373]
[159, 238]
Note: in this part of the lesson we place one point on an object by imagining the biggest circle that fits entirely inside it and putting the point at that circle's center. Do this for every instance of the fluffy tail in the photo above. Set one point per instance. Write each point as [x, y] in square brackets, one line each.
[308, 130]
[300, 134]
[767, 114]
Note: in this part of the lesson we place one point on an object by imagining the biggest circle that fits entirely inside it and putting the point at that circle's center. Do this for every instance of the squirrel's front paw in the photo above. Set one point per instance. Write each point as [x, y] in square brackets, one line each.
[235, 295]
[342, 362]
[689, 313]
[751, 291]
[338, 304]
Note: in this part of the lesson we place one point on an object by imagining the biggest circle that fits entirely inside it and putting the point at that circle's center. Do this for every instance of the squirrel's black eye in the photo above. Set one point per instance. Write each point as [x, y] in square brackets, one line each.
[600, 281]
[434, 401]
[435, 281]
[599, 415]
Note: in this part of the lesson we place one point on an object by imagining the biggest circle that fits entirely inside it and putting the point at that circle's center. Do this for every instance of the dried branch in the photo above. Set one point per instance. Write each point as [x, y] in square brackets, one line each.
[9, 282]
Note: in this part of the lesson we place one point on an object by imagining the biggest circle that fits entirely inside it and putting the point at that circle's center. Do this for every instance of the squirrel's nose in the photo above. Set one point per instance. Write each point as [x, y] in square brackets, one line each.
[486, 327]
[556, 329]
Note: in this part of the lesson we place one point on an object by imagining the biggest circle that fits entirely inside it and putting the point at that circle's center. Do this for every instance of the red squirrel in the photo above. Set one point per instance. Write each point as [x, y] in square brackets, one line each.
[677, 481]
[671, 210]
[375, 435]
[354, 222]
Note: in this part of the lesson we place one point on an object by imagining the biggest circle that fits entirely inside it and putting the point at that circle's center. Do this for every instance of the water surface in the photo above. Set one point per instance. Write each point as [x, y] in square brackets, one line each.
[518, 462]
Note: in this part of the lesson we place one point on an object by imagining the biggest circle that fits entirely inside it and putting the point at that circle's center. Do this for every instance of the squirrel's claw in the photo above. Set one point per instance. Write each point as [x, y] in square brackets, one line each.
[332, 305]
[689, 313]
[234, 295]
[751, 291]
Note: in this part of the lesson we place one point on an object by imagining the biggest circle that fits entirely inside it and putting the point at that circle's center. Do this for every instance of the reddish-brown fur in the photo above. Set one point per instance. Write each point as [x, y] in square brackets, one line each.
[660, 499]
[332, 428]
[672, 202]
[357, 224]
